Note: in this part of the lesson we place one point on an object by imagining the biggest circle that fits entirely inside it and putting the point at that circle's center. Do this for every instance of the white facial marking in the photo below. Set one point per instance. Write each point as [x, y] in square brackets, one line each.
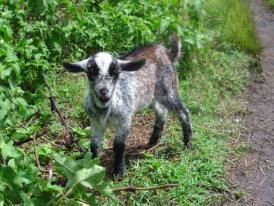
[82, 63]
[103, 60]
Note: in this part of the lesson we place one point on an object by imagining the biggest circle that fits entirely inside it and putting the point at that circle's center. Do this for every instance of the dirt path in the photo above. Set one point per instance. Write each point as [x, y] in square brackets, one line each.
[255, 172]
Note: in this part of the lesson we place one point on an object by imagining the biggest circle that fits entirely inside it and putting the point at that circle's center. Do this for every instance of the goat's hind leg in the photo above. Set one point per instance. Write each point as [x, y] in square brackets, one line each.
[175, 105]
[161, 116]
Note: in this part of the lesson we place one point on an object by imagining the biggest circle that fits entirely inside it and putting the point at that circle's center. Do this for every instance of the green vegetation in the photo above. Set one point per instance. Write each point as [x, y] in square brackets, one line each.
[270, 2]
[234, 20]
[36, 37]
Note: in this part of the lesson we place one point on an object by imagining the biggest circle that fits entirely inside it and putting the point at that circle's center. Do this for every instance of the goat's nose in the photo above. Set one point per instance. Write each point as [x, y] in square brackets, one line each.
[103, 92]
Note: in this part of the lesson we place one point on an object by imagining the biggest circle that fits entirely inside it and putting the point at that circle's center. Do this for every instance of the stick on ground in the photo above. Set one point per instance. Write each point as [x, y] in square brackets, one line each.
[20, 142]
[134, 188]
[54, 108]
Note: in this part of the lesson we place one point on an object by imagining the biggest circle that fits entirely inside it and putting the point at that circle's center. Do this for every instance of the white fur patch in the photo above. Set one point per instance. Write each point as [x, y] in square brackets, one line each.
[122, 61]
[82, 63]
[103, 60]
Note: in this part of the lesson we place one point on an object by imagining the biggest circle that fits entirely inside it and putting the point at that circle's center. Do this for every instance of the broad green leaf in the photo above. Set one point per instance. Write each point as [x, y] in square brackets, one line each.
[27, 200]
[1, 200]
[5, 107]
[87, 177]
[64, 165]
[7, 176]
[8, 150]
[87, 161]
[20, 133]
[79, 131]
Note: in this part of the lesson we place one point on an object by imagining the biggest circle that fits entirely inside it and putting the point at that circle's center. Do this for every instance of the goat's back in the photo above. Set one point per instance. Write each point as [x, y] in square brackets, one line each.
[157, 72]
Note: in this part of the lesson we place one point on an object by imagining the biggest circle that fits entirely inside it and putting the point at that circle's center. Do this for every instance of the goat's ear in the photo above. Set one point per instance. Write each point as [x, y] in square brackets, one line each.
[80, 66]
[132, 65]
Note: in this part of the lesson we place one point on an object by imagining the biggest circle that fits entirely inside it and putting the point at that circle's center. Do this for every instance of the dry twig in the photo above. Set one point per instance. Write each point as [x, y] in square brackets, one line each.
[20, 142]
[146, 149]
[50, 172]
[54, 108]
[36, 156]
[134, 188]
[51, 142]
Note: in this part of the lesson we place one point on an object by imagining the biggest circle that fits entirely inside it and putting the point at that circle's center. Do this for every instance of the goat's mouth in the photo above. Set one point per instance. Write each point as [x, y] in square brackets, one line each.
[104, 99]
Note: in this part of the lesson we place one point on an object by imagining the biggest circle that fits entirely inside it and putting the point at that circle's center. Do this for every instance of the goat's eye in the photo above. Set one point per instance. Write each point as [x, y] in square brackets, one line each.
[93, 72]
[113, 71]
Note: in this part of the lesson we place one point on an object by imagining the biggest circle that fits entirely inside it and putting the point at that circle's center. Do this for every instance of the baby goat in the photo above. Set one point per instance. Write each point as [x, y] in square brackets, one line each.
[119, 87]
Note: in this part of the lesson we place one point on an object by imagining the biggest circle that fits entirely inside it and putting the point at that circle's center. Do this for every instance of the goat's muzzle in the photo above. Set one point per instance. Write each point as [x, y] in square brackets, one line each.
[104, 95]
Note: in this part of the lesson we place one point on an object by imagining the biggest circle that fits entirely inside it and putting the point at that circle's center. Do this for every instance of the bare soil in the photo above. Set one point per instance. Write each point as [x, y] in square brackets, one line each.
[137, 143]
[254, 173]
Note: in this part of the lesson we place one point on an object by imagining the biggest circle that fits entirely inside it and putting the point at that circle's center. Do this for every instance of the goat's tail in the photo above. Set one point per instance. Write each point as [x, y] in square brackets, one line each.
[175, 47]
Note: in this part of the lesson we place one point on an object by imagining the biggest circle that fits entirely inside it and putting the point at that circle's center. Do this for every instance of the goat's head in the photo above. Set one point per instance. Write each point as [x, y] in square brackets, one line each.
[103, 71]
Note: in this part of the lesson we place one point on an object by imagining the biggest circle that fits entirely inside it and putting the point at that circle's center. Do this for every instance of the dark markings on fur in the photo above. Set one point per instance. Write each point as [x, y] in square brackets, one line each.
[134, 65]
[157, 131]
[92, 70]
[175, 51]
[94, 147]
[119, 158]
[169, 97]
[114, 70]
[72, 67]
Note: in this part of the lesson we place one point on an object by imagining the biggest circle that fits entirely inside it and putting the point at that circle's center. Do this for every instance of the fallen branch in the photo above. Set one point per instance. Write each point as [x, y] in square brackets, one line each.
[142, 150]
[36, 156]
[134, 189]
[51, 142]
[155, 146]
[54, 108]
[40, 168]
[29, 139]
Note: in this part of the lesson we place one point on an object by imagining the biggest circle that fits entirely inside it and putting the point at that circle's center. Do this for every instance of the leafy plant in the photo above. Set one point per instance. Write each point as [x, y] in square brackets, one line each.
[35, 37]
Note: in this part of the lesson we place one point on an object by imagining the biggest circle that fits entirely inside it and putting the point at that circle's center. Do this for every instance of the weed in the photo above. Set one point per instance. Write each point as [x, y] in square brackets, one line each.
[233, 19]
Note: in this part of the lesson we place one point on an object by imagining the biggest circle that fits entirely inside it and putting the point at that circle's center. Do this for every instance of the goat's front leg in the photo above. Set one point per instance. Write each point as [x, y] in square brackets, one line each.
[119, 147]
[96, 139]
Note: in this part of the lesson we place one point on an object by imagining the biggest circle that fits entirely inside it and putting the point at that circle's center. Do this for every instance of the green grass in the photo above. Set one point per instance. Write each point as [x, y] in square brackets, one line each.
[270, 2]
[233, 20]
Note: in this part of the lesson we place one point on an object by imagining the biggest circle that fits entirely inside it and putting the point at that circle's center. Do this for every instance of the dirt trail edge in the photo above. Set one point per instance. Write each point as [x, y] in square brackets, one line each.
[255, 172]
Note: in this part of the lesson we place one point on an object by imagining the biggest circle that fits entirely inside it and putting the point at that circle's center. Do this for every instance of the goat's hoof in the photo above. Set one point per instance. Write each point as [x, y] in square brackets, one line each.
[152, 143]
[94, 152]
[188, 145]
[118, 177]
[94, 155]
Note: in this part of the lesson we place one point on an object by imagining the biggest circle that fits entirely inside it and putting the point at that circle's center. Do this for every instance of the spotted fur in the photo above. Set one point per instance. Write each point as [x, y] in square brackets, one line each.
[145, 77]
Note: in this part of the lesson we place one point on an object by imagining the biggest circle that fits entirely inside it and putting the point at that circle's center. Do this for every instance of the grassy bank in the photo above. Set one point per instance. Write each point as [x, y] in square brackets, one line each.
[233, 19]
[270, 3]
